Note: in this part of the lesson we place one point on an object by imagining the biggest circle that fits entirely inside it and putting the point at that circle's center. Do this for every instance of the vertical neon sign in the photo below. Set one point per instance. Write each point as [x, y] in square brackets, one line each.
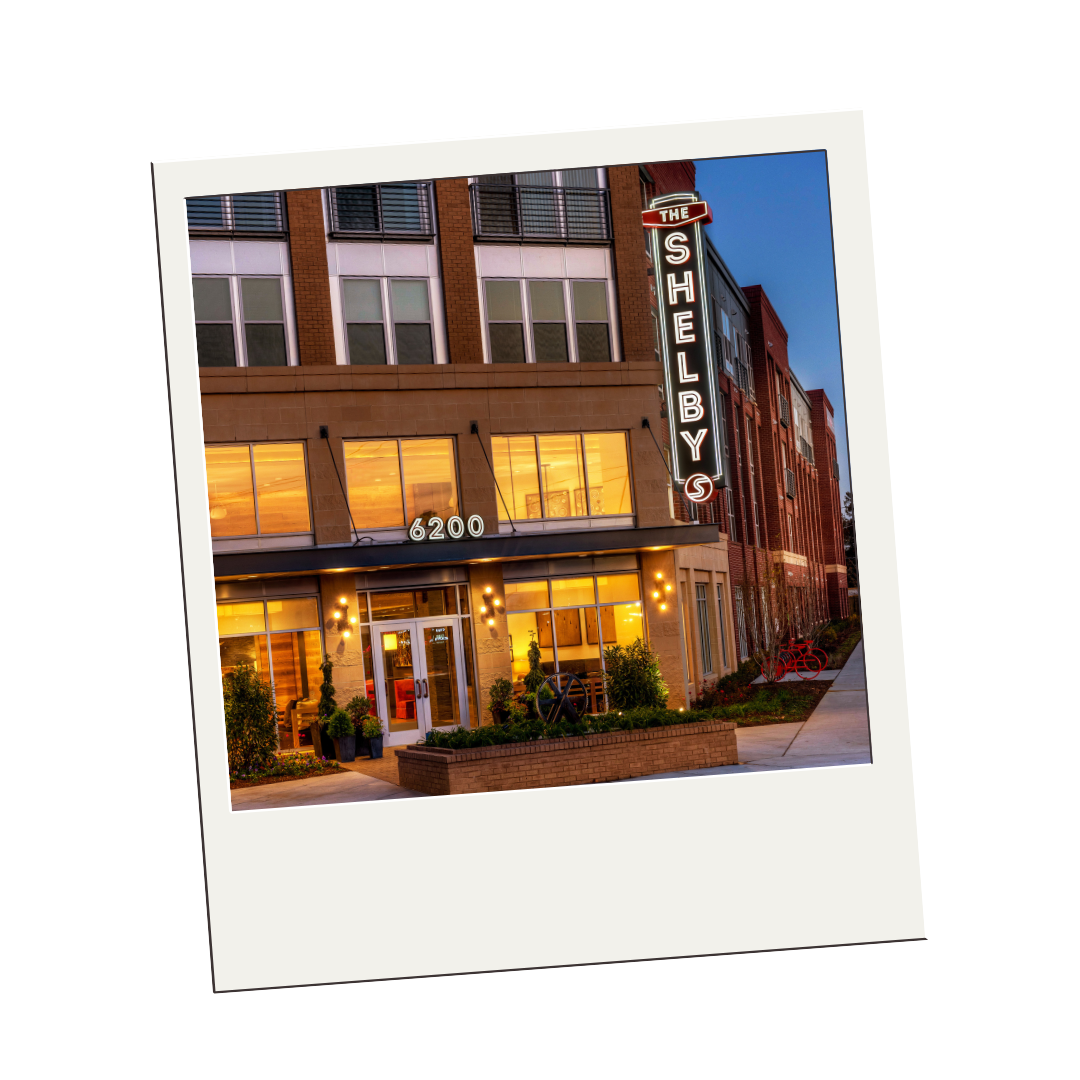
[686, 341]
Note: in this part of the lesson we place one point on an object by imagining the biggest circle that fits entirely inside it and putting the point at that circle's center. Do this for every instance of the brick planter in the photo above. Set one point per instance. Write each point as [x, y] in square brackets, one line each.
[590, 759]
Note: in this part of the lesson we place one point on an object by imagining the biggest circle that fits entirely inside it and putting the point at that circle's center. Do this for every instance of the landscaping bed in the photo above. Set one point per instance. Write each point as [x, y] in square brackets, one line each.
[287, 767]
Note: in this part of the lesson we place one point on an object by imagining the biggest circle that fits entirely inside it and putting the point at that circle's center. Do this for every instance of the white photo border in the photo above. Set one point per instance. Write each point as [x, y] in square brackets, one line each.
[577, 875]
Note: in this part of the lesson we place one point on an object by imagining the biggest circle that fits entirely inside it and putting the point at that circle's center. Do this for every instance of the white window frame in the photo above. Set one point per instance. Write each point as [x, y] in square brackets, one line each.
[388, 322]
[292, 352]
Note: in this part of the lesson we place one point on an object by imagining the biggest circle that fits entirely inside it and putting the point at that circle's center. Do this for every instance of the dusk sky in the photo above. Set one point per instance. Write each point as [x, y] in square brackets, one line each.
[771, 226]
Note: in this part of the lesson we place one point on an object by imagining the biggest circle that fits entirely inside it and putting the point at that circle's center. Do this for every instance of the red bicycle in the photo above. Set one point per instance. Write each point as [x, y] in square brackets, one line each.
[804, 659]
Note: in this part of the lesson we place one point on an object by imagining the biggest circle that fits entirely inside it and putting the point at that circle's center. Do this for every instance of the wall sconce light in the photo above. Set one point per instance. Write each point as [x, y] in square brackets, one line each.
[343, 622]
[660, 590]
[492, 604]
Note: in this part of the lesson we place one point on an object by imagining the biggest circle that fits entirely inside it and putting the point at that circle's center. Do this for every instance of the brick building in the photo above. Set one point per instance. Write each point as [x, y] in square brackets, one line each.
[430, 412]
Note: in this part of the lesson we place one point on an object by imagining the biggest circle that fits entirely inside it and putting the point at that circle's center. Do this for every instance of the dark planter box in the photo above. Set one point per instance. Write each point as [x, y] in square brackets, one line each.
[363, 746]
[375, 746]
[345, 748]
[324, 745]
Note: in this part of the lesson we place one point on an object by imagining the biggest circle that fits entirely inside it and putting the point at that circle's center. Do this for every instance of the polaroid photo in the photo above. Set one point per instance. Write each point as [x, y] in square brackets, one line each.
[517, 486]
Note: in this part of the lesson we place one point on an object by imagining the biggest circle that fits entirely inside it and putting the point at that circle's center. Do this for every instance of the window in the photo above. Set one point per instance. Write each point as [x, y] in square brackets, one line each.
[257, 489]
[281, 640]
[378, 211]
[562, 476]
[704, 634]
[527, 321]
[791, 532]
[733, 533]
[392, 482]
[240, 321]
[568, 205]
[258, 213]
[740, 622]
[723, 624]
[572, 620]
[366, 300]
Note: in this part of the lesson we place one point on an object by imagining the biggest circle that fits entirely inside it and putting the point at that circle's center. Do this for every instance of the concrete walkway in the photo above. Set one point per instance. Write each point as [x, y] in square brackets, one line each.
[794, 676]
[837, 732]
[319, 790]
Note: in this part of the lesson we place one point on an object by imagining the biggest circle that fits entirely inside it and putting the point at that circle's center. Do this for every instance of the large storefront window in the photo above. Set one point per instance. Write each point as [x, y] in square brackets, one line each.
[562, 476]
[392, 482]
[573, 620]
[257, 489]
[281, 640]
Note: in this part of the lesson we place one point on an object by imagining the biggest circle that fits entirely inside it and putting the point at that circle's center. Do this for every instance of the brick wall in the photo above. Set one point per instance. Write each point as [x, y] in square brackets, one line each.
[311, 277]
[631, 264]
[561, 762]
[463, 329]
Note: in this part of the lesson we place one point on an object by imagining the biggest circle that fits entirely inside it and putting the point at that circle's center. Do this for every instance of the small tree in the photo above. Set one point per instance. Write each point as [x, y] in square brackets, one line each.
[327, 704]
[250, 720]
[632, 677]
[358, 707]
[535, 674]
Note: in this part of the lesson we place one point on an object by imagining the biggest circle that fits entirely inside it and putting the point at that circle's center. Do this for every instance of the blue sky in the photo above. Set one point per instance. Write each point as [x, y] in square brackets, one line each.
[771, 226]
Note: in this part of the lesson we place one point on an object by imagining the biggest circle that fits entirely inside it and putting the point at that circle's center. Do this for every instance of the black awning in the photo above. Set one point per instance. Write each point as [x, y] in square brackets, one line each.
[442, 552]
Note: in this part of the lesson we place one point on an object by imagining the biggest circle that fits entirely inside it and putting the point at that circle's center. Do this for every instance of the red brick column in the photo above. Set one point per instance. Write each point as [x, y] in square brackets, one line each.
[631, 264]
[463, 329]
[311, 277]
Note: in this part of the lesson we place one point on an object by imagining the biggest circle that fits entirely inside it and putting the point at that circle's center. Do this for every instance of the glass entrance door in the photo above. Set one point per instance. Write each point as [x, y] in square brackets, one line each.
[419, 682]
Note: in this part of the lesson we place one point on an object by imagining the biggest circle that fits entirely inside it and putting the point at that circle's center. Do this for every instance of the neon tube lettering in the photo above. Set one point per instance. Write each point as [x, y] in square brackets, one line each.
[676, 245]
[686, 287]
[694, 442]
[690, 407]
[684, 328]
[684, 375]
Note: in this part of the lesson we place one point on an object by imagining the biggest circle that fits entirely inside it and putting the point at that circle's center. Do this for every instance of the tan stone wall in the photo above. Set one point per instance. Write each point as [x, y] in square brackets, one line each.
[592, 759]
[665, 635]
[492, 642]
[348, 674]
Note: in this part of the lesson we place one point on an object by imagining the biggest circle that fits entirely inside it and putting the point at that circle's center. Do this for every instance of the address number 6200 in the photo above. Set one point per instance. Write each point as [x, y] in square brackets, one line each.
[455, 528]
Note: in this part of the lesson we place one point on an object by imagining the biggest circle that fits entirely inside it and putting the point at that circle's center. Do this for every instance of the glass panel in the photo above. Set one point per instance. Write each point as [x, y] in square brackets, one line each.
[262, 299]
[547, 301]
[265, 345]
[367, 343]
[522, 629]
[393, 605]
[293, 614]
[363, 300]
[216, 344]
[517, 475]
[401, 207]
[593, 343]
[240, 618]
[436, 602]
[567, 592]
[399, 685]
[562, 475]
[507, 343]
[581, 178]
[413, 343]
[374, 477]
[430, 478]
[504, 301]
[525, 595]
[259, 211]
[297, 680]
[619, 587]
[535, 179]
[357, 210]
[463, 595]
[609, 473]
[442, 680]
[590, 301]
[213, 302]
[281, 485]
[622, 624]
[228, 482]
[245, 650]
[549, 340]
[361, 607]
[205, 212]
[410, 301]
[470, 687]
[578, 641]
[369, 669]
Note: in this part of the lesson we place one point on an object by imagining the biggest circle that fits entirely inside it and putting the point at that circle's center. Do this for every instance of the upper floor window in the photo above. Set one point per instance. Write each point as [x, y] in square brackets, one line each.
[388, 320]
[392, 482]
[568, 205]
[556, 321]
[259, 214]
[257, 489]
[240, 321]
[381, 211]
[562, 476]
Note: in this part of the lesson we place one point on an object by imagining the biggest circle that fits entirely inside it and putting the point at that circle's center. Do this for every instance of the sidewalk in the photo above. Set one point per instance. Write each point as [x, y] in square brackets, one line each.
[318, 791]
[837, 732]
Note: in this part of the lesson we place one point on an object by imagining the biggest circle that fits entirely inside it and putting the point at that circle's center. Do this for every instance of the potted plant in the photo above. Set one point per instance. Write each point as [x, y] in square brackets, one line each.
[342, 730]
[358, 708]
[500, 696]
[320, 736]
[372, 730]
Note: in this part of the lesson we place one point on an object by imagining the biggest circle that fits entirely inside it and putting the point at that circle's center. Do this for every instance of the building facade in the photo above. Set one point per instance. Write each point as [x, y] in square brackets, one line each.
[431, 413]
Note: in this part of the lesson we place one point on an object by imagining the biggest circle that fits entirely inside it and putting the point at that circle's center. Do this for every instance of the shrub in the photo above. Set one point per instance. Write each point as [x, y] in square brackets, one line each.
[339, 725]
[501, 694]
[327, 704]
[371, 728]
[358, 707]
[535, 675]
[250, 720]
[828, 637]
[632, 677]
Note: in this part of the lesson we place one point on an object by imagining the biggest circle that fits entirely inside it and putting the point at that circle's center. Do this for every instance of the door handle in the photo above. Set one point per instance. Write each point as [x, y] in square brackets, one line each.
[418, 695]
[425, 688]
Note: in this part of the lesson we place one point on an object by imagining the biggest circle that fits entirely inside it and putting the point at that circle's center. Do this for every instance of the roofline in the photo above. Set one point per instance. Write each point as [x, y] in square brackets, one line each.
[758, 292]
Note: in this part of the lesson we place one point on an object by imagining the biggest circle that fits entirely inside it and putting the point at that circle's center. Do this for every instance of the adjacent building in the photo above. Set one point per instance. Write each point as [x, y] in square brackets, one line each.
[434, 424]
